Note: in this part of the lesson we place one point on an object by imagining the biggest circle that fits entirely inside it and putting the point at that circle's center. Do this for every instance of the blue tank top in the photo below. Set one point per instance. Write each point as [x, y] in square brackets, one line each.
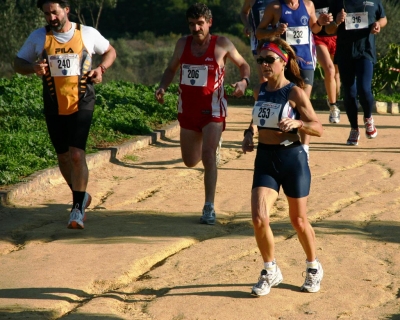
[300, 36]
[257, 13]
[272, 106]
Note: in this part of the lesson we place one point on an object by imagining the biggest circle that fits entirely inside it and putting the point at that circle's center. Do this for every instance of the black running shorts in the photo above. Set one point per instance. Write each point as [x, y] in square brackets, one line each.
[277, 165]
[69, 131]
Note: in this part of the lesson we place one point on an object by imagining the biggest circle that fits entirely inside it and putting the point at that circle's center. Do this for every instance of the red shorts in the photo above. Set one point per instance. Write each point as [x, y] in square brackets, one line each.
[197, 123]
[329, 42]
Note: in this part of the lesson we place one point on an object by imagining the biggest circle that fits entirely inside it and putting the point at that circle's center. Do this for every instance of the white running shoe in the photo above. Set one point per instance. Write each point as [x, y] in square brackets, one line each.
[86, 203]
[334, 114]
[266, 281]
[75, 220]
[208, 216]
[313, 279]
[370, 129]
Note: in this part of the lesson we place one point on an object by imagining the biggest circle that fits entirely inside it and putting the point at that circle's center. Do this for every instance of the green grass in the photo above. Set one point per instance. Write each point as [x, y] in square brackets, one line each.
[123, 110]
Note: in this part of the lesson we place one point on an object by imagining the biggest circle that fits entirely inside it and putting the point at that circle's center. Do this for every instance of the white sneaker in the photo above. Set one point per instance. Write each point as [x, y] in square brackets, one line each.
[313, 279]
[266, 281]
[370, 129]
[86, 203]
[75, 220]
[334, 113]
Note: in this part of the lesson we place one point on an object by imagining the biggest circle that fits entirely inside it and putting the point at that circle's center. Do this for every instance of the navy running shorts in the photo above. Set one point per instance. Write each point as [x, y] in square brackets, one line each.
[277, 165]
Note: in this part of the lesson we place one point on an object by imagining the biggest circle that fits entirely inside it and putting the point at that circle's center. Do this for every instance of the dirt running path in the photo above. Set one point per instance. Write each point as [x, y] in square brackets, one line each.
[143, 254]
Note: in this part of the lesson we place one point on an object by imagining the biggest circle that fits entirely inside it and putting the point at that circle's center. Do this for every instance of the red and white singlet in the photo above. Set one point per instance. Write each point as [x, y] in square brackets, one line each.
[201, 90]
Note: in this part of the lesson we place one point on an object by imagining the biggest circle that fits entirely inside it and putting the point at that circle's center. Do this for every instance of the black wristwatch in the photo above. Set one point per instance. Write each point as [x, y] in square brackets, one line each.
[247, 80]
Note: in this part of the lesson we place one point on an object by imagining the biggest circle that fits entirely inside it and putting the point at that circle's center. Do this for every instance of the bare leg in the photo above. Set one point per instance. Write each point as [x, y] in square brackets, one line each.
[211, 136]
[337, 79]
[64, 163]
[196, 146]
[330, 73]
[262, 200]
[79, 169]
[305, 232]
[191, 145]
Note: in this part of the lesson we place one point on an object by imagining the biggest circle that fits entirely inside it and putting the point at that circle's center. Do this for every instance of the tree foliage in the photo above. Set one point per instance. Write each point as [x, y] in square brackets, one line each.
[18, 18]
[131, 17]
[91, 8]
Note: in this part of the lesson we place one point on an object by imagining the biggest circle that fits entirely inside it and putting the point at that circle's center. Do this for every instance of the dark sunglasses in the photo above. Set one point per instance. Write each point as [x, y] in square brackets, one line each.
[267, 59]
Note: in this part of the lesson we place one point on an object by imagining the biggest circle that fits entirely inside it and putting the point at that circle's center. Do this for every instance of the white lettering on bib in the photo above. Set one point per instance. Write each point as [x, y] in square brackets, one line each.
[318, 12]
[194, 75]
[64, 65]
[356, 20]
[266, 114]
[297, 35]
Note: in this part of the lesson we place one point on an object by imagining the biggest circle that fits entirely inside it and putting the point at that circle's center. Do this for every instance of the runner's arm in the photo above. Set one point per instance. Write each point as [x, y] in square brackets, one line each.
[173, 65]
[107, 59]
[378, 25]
[309, 122]
[169, 73]
[339, 19]
[23, 67]
[271, 17]
[244, 16]
[226, 45]
[315, 23]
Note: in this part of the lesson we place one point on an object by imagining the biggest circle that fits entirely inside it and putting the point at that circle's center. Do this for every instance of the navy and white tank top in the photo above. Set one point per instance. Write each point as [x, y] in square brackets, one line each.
[271, 107]
[299, 34]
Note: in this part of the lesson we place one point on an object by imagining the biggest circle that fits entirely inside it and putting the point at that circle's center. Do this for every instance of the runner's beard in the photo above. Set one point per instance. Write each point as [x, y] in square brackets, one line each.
[59, 26]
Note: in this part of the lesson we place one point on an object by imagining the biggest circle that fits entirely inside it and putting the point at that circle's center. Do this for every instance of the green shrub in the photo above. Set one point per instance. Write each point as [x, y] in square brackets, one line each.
[122, 110]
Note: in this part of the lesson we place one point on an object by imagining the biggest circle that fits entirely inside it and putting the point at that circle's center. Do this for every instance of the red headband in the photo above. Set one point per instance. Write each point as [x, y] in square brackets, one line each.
[277, 49]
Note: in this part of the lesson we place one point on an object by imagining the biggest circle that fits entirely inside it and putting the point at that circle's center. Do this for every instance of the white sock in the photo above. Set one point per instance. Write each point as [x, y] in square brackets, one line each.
[312, 264]
[270, 266]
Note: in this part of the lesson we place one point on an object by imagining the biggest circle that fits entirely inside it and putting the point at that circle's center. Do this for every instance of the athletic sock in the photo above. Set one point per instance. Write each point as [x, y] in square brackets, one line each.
[77, 199]
[332, 104]
[270, 266]
[312, 264]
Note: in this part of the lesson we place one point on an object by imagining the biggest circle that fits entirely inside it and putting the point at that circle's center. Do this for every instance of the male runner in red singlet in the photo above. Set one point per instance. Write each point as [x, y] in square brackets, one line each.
[202, 105]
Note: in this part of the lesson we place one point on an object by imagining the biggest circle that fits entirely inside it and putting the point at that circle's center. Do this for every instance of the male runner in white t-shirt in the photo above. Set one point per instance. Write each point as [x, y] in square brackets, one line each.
[61, 53]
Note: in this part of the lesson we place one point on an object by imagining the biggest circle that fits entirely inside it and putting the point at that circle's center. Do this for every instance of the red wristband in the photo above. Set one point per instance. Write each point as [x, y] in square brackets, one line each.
[103, 69]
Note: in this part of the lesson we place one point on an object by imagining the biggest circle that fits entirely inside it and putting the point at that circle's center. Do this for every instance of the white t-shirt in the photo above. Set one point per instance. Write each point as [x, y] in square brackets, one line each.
[93, 41]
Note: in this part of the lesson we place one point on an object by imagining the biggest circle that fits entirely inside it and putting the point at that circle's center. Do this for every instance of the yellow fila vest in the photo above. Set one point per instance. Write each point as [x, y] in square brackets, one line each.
[65, 86]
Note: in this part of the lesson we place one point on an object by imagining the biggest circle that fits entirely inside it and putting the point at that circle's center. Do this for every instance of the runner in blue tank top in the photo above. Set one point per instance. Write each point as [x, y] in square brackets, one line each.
[251, 15]
[294, 20]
